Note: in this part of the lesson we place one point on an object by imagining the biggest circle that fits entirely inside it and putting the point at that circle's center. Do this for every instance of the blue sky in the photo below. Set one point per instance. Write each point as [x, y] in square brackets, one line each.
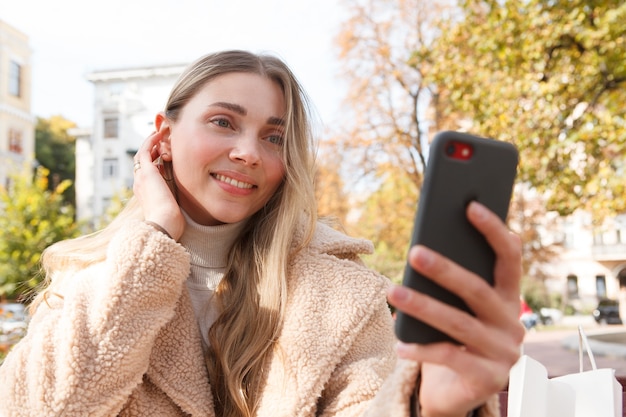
[71, 38]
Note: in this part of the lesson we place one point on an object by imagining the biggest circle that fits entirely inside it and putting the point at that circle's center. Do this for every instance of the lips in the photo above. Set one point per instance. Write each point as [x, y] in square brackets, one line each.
[233, 182]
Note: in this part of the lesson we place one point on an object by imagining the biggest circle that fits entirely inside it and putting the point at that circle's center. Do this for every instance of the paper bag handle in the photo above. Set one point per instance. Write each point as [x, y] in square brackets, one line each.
[582, 339]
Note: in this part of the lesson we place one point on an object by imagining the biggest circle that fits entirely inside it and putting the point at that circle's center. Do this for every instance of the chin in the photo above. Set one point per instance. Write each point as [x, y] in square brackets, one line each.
[228, 218]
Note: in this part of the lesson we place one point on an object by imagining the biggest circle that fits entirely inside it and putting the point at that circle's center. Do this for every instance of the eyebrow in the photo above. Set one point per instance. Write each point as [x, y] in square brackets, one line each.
[278, 121]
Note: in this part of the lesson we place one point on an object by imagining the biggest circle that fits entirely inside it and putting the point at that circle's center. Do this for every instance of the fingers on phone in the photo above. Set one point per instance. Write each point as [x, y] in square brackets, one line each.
[495, 231]
[479, 296]
[506, 245]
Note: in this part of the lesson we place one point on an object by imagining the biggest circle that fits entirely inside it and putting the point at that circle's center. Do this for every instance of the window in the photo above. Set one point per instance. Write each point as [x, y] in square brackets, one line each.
[15, 79]
[116, 89]
[109, 168]
[111, 127]
[572, 286]
[601, 286]
[15, 141]
[598, 238]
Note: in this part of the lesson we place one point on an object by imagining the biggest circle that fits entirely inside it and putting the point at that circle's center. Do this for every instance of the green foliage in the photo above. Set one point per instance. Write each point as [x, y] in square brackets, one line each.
[55, 150]
[535, 294]
[387, 220]
[386, 262]
[549, 77]
[33, 218]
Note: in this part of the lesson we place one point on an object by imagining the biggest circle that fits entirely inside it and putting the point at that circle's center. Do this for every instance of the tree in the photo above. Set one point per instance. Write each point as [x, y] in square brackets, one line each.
[388, 97]
[546, 76]
[387, 120]
[541, 239]
[332, 199]
[549, 77]
[33, 218]
[55, 150]
[387, 220]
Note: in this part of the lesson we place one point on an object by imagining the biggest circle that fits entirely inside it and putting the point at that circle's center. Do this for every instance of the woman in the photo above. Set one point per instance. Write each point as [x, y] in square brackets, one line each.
[218, 293]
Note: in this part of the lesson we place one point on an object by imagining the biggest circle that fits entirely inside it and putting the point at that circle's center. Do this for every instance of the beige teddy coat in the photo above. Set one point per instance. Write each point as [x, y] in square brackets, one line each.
[122, 340]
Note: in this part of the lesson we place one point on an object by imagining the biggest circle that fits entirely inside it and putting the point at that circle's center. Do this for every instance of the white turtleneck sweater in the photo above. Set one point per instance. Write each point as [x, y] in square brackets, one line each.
[209, 247]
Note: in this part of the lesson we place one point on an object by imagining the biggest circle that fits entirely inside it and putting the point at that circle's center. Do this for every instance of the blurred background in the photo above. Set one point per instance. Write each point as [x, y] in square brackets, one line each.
[80, 83]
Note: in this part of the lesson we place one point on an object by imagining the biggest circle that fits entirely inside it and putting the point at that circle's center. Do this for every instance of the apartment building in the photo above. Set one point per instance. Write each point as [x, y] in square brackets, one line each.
[126, 101]
[17, 124]
[592, 263]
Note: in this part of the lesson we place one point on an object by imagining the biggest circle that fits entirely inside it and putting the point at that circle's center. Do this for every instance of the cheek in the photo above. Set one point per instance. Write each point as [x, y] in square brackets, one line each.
[192, 151]
[276, 171]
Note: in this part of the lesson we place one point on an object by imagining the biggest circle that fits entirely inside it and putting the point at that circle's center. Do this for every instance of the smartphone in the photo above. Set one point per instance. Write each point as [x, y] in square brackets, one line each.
[461, 168]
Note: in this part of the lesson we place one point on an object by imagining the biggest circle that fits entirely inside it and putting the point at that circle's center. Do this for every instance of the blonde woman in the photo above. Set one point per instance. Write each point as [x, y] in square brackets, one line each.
[218, 293]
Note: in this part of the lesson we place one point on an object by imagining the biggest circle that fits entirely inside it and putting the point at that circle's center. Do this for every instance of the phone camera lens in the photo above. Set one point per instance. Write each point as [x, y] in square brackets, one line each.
[450, 149]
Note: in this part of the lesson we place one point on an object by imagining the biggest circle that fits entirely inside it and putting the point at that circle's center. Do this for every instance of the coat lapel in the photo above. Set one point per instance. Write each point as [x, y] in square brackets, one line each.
[328, 305]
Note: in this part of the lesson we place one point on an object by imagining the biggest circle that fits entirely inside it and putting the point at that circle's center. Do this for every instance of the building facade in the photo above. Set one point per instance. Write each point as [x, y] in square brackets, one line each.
[609, 249]
[592, 264]
[17, 124]
[126, 102]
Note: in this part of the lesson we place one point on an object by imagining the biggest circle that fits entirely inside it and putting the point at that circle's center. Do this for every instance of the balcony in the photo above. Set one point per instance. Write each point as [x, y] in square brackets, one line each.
[609, 252]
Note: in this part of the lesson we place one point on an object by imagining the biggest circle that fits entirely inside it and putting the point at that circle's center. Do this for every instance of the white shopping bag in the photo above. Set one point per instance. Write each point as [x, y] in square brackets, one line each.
[594, 393]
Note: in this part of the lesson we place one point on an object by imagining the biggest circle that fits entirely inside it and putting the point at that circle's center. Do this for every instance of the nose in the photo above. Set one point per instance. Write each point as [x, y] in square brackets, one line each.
[246, 151]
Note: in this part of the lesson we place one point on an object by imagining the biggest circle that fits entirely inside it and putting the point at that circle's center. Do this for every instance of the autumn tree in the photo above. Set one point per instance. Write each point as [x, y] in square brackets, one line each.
[387, 119]
[546, 76]
[542, 241]
[330, 187]
[388, 97]
[33, 217]
[549, 77]
[386, 219]
[55, 150]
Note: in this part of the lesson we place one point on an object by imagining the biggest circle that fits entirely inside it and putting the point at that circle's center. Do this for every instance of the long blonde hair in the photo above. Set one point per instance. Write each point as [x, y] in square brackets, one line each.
[253, 292]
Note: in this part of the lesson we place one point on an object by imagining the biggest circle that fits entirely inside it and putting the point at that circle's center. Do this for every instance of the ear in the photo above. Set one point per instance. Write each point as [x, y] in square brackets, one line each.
[162, 125]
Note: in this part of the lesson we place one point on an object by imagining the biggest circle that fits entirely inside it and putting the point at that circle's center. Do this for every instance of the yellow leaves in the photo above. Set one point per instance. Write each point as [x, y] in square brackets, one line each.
[41, 178]
[554, 95]
[516, 70]
[63, 185]
[58, 126]
[384, 51]
[346, 40]
[33, 218]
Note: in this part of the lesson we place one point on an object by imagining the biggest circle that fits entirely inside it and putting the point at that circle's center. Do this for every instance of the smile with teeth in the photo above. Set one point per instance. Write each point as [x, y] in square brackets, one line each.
[233, 182]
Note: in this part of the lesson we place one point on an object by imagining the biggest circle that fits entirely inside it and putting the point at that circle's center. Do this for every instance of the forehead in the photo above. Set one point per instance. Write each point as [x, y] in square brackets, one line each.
[243, 86]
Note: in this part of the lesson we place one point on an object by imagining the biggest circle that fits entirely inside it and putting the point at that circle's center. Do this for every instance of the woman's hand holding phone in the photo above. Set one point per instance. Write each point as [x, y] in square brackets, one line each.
[457, 377]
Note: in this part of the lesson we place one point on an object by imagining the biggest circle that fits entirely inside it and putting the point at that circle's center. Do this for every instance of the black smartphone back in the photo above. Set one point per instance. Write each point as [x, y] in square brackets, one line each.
[461, 168]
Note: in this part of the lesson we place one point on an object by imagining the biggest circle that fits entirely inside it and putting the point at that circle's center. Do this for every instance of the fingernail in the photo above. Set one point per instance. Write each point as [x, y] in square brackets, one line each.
[398, 293]
[424, 256]
[478, 210]
[405, 350]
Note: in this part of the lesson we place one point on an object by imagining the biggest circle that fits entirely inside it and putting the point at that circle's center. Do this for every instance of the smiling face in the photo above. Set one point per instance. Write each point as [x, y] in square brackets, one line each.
[226, 148]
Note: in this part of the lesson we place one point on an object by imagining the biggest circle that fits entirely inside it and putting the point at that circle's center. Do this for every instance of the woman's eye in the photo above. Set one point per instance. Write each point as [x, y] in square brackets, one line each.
[275, 139]
[221, 122]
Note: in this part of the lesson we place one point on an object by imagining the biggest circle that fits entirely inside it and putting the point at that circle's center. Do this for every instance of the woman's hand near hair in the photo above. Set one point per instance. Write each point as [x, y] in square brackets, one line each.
[158, 203]
[457, 379]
